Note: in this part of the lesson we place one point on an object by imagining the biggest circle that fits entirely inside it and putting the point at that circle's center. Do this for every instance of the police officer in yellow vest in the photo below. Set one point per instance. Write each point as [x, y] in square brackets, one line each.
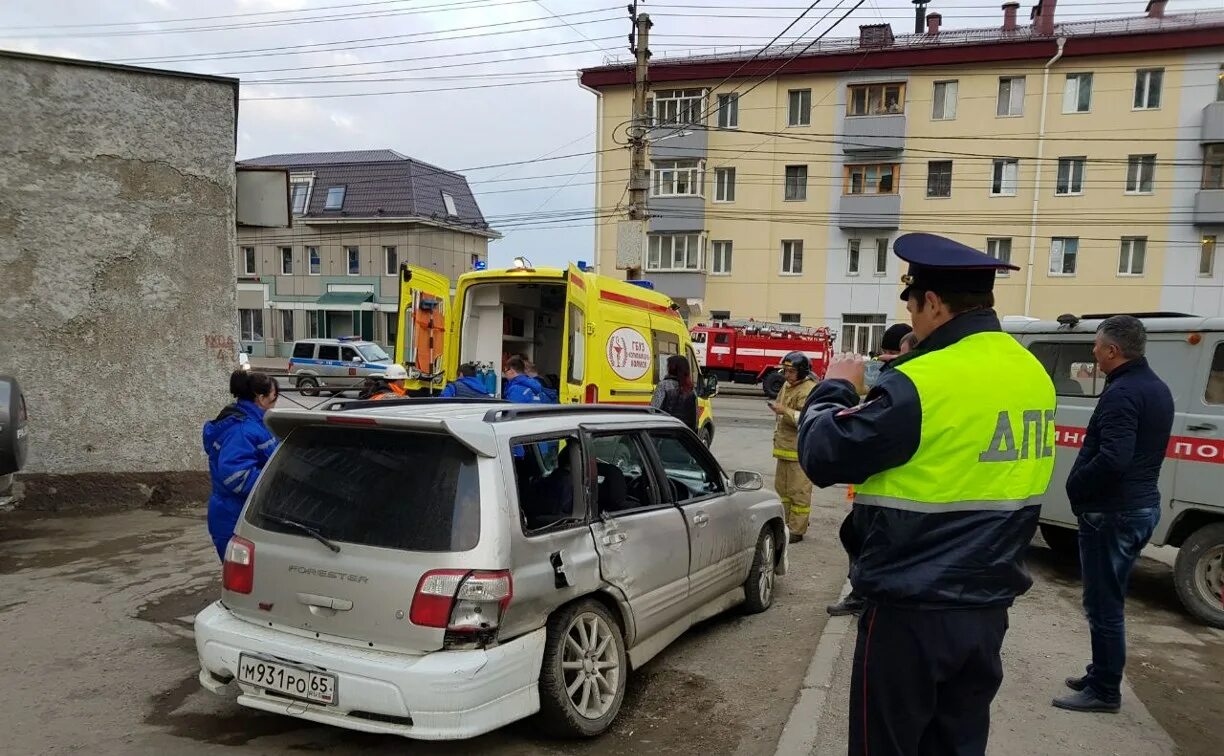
[793, 487]
[947, 453]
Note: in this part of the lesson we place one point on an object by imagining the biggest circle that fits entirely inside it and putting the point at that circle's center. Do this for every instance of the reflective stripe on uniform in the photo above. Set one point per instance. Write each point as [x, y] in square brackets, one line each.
[971, 505]
[266, 444]
[786, 454]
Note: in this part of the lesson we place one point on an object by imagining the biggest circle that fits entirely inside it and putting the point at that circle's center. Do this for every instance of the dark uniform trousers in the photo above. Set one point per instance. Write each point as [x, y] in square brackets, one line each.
[923, 680]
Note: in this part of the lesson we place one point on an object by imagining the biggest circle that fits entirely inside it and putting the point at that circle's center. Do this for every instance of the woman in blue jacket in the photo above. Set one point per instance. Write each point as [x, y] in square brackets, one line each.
[238, 445]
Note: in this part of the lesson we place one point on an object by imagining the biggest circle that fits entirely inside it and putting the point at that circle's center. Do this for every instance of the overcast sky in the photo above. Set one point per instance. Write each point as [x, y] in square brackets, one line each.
[463, 84]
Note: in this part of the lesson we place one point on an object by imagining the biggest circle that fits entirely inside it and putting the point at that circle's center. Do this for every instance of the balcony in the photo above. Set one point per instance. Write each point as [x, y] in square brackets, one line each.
[669, 214]
[869, 211]
[873, 133]
[1209, 207]
[1213, 123]
[680, 285]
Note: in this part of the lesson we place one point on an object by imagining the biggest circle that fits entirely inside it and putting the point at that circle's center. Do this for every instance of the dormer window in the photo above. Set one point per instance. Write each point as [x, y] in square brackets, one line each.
[335, 198]
[449, 201]
[299, 192]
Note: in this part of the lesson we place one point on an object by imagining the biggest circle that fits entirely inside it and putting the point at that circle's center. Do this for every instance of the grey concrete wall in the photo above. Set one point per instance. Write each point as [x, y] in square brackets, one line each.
[687, 285]
[867, 133]
[1213, 123]
[116, 236]
[869, 211]
[676, 213]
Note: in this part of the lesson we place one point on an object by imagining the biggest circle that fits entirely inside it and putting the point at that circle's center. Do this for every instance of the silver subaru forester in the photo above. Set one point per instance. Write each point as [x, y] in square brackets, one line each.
[437, 569]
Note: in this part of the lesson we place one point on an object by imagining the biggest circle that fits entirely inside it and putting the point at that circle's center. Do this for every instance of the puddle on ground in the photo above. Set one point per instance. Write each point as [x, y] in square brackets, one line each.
[183, 602]
[236, 726]
[108, 551]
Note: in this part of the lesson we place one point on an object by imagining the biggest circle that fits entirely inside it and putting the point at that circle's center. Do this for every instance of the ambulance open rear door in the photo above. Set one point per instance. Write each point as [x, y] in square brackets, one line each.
[424, 320]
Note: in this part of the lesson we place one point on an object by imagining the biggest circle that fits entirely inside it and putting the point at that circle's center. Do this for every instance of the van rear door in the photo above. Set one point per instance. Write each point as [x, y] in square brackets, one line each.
[424, 326]
[576, 346]
[346, 520]
[1196, 451]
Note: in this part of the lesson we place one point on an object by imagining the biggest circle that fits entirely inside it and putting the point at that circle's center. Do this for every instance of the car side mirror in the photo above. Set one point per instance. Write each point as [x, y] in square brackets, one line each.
[747, 480]
[358, 359]
[14, 436]
[708, 385]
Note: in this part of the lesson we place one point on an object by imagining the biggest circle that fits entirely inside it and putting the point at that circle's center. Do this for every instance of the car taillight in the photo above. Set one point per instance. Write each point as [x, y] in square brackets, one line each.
[238, 572]
[461, 601]
[592, 394]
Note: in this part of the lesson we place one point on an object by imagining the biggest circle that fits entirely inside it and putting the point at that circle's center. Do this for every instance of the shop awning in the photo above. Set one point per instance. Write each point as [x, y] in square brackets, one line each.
[352, 298]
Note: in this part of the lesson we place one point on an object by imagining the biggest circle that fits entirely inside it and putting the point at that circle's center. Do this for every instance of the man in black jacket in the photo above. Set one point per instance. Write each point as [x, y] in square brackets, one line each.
[1112, 488]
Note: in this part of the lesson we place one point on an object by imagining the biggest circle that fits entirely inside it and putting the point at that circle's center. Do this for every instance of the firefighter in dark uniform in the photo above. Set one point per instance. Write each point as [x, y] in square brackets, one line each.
[947, 453]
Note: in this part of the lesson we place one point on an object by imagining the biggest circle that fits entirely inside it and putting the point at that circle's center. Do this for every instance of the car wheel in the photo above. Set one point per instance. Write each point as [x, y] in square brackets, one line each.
[583, 676]
[308, 386]
[706, 434]
[772, 384]
[1198, 574]
[759, 587]
[1064, 542]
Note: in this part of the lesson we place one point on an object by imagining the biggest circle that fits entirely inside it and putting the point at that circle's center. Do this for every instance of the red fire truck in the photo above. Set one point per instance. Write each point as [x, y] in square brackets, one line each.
[748, 351]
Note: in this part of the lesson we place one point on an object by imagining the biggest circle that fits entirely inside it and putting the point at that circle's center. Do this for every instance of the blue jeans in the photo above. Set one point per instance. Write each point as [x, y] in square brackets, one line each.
[1110, 543]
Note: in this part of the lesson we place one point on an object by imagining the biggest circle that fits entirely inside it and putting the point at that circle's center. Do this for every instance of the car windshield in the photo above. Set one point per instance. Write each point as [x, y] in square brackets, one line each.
[373, 353]
[385, 488]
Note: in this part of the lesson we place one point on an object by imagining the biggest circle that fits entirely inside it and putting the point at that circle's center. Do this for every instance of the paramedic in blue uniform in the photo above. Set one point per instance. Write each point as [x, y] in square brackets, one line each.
[946, 453]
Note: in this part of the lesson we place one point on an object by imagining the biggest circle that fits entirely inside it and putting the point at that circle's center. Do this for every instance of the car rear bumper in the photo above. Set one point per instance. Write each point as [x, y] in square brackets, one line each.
[435, 696]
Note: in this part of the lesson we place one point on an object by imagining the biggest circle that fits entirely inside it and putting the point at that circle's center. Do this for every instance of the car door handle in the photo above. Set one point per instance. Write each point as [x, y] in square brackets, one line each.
[325, 602]
[1201, 427]
[701, 519]
[613, 538]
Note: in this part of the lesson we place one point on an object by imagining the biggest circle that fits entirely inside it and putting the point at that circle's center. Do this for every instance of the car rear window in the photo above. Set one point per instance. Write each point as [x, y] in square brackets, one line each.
[392, 489]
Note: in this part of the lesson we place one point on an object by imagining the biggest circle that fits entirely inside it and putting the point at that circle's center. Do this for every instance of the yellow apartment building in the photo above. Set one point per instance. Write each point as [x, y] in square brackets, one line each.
[1090, 154]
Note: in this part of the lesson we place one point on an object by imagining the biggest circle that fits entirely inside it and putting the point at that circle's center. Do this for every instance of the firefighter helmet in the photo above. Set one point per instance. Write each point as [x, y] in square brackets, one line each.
[798, 361]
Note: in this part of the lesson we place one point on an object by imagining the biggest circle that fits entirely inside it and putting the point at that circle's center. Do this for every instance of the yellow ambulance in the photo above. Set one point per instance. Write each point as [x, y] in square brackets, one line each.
[595, 339]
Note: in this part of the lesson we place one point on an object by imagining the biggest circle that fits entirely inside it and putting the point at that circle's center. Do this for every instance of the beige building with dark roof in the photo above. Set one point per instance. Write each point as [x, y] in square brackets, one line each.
[357, 216]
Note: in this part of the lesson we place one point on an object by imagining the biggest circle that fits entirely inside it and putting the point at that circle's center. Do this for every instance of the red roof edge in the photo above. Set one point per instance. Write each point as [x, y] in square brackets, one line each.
[981, 52]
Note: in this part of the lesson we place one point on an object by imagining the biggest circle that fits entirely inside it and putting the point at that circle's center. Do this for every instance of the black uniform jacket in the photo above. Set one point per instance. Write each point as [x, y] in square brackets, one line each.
[915, 560]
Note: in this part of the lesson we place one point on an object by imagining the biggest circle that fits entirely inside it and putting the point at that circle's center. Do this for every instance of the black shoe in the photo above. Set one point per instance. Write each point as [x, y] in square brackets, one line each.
[1086, 700]
[1077, 683]
[848, 605]
[795, 538]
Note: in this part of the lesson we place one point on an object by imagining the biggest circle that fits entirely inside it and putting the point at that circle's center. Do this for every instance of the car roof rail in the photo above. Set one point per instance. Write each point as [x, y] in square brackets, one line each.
[1103, 315]
[344, 405]
[515, 411]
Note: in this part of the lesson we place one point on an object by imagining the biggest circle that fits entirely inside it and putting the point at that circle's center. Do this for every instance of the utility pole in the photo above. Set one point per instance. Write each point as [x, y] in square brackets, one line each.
[635, 229]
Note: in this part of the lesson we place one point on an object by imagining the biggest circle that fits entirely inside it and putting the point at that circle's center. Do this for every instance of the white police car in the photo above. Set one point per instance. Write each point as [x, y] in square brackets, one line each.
[335, 363]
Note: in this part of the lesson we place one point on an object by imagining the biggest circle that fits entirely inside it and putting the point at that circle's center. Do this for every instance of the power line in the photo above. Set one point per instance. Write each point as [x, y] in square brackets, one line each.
[402, 91]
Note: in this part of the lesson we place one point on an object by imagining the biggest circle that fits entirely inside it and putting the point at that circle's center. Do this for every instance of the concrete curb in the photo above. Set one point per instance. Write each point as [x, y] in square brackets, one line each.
[802, 729]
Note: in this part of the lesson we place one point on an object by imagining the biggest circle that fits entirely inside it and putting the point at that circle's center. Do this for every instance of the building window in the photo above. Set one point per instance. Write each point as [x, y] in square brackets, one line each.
[876, 178]
[1077, 97]
[1000, 249]
[721, 263]
[1140, 170]
[944, 108]
[354, 260]
[799, 108]
[1011, 96]
[286, 318]
[796, 183]
[449, 203]
[1213, 166]
[862, 334]
[675, 252]
[792, 257]
[248, 261]
[251, 323]
[1064, 251]
[676, 178]
[720, 314]
[392, 256]
[1130, 260]
[1220, 85]
[1148, 82]
[790, 317]
[335, 198]
[728, 111]
[853, 256]
[316, 263]
[312, 324]
[939, 178]
[1003, 183]
[875, 99]
[881, 257]
[1207, 257]
[1070, 176]
[676, 106]
[724, 184]
[392, 328]
[299, 193]
[286, 260]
